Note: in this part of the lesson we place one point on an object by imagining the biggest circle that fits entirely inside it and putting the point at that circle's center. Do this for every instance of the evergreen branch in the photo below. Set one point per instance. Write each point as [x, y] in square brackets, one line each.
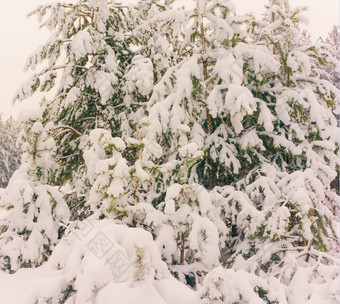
[64, 127]
[306, 79]
[278, 46]
[333, 238]
[84, 15]
[69, 155]
[59, 68]
[92, 18]
[203, 102]
[182, 54]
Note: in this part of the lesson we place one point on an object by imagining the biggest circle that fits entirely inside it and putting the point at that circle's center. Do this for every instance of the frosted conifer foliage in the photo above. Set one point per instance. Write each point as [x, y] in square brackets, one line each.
[199, 106]
[281, 215]
[86, 55]
[211, 131]
[266, 127]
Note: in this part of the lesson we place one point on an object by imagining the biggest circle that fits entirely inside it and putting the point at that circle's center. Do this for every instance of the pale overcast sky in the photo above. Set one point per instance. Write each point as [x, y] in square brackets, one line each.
[20, 37]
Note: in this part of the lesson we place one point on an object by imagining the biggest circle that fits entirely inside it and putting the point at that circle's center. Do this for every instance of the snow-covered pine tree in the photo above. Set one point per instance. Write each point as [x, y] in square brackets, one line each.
[280, 208]
[106, 58]
[86, 56]
[31, 226]
[271, 139]
[196, 112]
[153, 27]
[9, 154]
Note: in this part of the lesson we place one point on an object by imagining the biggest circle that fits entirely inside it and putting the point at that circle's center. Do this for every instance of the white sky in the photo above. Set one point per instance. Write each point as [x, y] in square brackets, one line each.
[20, 37]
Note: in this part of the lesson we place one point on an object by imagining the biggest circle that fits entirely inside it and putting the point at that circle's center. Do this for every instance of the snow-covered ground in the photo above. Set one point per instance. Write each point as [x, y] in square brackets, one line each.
[17, 288]
[102, 263]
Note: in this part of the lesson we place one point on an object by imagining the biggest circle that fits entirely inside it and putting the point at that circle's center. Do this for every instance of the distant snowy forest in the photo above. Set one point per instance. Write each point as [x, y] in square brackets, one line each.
[178, 156]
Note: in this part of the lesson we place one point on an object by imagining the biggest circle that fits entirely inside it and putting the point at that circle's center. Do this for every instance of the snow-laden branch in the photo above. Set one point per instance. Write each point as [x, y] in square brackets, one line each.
[64, 127]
